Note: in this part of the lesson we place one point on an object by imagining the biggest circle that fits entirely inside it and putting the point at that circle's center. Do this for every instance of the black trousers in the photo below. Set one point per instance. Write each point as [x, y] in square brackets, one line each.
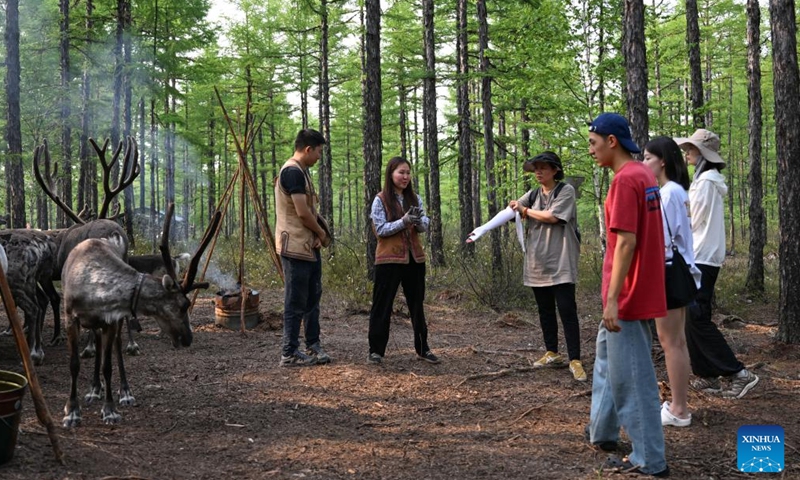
[387, 278]
[708, 350]
[562, 295]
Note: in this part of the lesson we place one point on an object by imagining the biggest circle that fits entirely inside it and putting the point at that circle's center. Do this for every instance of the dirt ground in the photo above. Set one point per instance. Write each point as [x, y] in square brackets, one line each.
[223, 407]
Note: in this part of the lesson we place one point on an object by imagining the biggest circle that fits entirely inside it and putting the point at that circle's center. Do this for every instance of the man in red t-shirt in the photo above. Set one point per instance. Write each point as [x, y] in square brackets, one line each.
[624, 386]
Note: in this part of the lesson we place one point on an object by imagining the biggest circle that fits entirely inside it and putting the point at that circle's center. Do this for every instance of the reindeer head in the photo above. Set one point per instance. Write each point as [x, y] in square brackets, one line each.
[173, 316]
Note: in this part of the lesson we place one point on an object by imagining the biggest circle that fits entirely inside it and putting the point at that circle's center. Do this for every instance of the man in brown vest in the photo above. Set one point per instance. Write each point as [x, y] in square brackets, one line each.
[298, 238]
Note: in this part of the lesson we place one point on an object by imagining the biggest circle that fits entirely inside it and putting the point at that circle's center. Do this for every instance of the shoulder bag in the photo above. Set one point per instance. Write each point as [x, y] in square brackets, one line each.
[679, 281]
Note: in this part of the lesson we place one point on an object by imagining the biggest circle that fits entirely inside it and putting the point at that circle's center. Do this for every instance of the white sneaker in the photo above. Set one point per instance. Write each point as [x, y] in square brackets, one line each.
[668, 419]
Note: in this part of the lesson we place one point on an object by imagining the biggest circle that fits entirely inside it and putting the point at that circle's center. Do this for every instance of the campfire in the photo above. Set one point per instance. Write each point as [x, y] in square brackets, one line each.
[228, 308]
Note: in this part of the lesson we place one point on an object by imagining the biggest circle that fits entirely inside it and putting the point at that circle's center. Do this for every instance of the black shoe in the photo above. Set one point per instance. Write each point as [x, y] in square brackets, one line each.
[622, 465]
[374, 359]
[429, 357]
[606, 446]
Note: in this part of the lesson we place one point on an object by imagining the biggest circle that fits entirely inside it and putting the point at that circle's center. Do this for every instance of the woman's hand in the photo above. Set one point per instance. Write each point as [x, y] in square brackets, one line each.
[514, 205]
[475, 234]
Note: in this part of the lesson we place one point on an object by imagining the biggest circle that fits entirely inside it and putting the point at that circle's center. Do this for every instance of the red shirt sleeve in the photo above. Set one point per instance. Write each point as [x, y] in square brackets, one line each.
[625, 203]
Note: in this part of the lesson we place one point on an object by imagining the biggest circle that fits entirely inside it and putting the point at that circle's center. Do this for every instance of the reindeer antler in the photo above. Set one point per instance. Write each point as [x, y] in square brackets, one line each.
[129, 172]
[188, 280]
[164, 247]
[46, 183]
[187, 285]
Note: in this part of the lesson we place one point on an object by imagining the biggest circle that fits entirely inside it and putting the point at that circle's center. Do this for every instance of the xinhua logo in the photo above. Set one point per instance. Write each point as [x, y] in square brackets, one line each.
[760, 448]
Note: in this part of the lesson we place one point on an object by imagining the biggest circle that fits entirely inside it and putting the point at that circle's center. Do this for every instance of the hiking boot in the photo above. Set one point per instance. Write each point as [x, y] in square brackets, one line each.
[668, 419]
[297, 359]
[317, 352]
[429, 357]
[706, 384]
[374, 359]
[741, 383]
[550, 359]
[607, 446]
[577, 370]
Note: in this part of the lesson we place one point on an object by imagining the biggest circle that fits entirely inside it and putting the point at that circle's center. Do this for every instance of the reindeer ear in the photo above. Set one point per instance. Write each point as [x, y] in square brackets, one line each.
[169, 284]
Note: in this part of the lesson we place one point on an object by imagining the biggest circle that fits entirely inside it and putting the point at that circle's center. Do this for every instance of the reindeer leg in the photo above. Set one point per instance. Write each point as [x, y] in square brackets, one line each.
[132, 349]
[96, 385]
[90, 350]
[110, 414]
[125, 394]
[55, 302]
[37, 352]
[72, 410]
[31, 320]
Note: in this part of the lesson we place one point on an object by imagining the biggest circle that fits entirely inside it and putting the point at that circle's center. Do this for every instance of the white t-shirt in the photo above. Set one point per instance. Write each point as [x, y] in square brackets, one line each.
[675, 215]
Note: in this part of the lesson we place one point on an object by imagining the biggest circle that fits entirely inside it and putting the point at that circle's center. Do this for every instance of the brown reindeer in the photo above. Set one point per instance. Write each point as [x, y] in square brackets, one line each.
[101, 290]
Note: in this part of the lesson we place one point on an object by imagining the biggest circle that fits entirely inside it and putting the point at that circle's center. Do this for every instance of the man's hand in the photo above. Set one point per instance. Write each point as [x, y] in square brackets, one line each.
[514, 205]
[611, 316]
[317, 242]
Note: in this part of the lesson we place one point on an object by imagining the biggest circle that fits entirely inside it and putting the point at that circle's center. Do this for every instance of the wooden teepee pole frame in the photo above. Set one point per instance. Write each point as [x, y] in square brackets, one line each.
[247, 184]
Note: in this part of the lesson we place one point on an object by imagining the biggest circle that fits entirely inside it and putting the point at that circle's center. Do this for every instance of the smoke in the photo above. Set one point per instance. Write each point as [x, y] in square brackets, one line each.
[223, 280]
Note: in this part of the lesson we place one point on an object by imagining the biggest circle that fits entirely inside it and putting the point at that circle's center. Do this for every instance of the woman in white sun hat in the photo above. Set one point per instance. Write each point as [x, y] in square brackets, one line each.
[710, 355]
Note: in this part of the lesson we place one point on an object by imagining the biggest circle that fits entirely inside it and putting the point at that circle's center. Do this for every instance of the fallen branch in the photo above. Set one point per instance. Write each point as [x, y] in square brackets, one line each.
[755, 366]
[539, 407]
[163, 432]
[499, 373]
[496, 352]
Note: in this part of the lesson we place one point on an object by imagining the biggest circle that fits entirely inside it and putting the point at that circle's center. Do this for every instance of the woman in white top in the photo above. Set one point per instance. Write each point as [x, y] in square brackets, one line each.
[664, 158]
[710, 354]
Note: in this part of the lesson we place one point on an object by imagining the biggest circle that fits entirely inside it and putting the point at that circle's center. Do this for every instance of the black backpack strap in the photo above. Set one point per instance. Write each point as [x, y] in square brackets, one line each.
[558, 188]
[532, 196]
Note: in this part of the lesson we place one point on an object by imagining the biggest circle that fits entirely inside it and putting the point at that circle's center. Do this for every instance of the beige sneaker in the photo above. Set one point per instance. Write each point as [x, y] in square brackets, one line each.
[550, 359]
[577, 370]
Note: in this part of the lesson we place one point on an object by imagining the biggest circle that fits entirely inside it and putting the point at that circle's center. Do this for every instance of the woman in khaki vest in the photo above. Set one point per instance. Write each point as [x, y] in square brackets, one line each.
[397, 219]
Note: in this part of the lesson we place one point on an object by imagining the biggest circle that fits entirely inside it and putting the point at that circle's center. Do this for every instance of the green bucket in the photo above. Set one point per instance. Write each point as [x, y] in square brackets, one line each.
[12, 389]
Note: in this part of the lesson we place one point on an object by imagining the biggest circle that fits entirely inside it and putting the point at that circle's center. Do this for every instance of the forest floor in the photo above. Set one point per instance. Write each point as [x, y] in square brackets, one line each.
[223, 407]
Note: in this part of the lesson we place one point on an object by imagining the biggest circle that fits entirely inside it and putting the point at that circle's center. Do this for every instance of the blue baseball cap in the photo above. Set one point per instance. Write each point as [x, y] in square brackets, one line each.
[615, 124]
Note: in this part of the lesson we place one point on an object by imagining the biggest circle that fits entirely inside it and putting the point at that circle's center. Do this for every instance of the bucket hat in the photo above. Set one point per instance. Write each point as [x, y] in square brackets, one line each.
[615, 124]
[545, 157]
[706, 141]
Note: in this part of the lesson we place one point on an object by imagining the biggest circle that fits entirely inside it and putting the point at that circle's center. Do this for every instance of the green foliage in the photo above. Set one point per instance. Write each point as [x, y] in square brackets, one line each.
[343, 274]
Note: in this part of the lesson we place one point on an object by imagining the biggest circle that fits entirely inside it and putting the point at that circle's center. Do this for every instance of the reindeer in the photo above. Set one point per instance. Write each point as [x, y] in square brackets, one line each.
[30, 262]
[104, 227]
[101, 290]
